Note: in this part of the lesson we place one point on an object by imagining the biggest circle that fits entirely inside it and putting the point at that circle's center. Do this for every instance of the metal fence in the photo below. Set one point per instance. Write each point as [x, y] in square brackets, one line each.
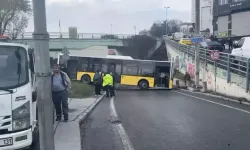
[65, 35]
[230, 63]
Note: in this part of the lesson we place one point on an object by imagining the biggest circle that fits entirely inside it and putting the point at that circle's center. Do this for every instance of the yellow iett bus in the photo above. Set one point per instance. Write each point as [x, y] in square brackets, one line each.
[127, 71]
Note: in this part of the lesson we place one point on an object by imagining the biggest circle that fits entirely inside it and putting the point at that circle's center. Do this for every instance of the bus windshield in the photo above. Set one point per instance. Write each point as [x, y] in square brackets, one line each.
[13, 67]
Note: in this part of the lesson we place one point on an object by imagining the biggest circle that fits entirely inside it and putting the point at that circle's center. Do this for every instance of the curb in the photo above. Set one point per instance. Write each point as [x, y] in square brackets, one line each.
[217, 96]
[82, 117]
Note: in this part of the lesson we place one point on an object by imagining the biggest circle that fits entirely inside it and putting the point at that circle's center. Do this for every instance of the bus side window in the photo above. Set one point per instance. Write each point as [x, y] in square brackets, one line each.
[146, 69]
[130, 68]
[83, 64]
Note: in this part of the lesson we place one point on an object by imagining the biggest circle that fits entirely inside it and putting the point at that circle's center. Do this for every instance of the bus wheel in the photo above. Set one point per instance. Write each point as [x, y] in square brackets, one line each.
[143, 85]
[86, 79]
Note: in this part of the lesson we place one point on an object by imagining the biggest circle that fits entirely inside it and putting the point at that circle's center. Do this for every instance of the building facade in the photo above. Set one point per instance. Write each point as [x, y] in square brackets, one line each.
[231, 18]
[206, 14]
[186, 28]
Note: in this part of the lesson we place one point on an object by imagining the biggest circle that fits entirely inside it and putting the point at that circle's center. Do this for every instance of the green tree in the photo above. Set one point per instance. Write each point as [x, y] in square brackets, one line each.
[158, 29]
[14, 16]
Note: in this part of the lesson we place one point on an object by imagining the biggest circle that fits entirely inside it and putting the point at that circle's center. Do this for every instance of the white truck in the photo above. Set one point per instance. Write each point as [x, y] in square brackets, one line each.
[178, 35]
[18, 100]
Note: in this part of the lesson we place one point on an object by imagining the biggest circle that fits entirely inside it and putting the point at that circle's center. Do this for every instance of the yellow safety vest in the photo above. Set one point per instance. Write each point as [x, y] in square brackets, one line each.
[107, 80]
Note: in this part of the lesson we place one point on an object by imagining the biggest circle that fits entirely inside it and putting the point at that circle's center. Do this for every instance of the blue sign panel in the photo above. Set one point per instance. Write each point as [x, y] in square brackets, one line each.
[197, 39]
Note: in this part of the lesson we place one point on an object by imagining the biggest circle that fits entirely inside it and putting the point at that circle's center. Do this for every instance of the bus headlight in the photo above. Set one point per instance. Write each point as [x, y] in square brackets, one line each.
[21, 117]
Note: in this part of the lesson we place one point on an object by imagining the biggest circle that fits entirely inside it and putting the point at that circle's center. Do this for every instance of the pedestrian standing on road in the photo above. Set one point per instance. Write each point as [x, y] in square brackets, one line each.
[107, 83]
[98, 82]
[223, 42]
[61, 85]
[230, 43]
[112, 88]
[187, 79]
[215, 38]
[211, 37]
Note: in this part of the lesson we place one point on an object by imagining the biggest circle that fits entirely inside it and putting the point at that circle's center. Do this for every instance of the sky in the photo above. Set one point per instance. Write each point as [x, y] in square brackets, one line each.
[96, 16]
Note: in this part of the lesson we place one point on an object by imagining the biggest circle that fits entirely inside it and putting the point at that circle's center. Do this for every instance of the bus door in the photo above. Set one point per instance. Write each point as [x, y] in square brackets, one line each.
[162, 74]
[72, 69]
[116, 70]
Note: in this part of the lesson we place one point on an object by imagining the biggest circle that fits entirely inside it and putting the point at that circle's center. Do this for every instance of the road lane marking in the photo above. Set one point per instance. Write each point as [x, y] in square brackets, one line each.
[242, 110]
[119, 127]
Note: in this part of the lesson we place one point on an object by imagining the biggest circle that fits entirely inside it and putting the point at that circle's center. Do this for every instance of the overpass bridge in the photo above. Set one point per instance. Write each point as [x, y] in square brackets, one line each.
[95, 44]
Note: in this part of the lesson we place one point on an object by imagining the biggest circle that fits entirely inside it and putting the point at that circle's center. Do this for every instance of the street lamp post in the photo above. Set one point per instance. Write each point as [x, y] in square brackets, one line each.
[135, 29]
[166, 19]
[111, 29]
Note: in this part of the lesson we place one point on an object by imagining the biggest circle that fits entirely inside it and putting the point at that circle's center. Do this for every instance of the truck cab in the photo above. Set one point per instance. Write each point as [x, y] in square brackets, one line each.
[18, 102]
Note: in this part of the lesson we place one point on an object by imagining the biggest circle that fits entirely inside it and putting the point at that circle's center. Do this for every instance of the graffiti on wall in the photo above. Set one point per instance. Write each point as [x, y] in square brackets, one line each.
[209, 79]
[182, 64]
[176, 63]
[191, 69]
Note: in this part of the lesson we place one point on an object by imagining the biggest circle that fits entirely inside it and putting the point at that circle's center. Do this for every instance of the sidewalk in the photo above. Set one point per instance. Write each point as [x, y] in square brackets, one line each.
[67, 134]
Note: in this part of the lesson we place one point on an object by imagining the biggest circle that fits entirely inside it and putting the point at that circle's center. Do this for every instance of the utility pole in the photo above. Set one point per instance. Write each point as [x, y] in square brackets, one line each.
[166, 19]
[43, 76]
[197, 48]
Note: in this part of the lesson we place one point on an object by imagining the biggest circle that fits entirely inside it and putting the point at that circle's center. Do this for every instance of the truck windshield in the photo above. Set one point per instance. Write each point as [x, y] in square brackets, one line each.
[13, 67]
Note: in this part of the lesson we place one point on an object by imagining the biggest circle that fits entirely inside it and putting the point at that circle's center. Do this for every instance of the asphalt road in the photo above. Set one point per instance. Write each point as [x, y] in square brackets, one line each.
[97, 131]
[166, 120]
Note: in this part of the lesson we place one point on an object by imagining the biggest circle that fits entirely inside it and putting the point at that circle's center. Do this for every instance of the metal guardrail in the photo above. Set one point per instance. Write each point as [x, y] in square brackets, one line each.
[65, 35]
[230, 63]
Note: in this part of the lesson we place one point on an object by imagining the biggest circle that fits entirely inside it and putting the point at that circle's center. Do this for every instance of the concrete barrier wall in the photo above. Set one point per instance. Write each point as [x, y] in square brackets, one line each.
[215, 77]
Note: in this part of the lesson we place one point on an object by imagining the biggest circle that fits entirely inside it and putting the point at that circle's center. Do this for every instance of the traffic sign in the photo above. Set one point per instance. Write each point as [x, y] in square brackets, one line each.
[65, 56]
[197, 39]
[215, 55]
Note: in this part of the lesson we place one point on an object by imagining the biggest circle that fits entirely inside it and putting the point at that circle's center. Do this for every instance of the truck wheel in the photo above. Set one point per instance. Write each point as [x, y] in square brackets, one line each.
[143, 85]
[86, 79]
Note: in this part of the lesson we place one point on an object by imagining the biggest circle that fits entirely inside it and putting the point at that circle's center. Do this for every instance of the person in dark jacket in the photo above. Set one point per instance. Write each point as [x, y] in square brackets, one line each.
[215, 38]
[230, 44]
[107, 84]
[223, 42]
[112, 88]
[187, 79]
[98, 82]
[60, 86]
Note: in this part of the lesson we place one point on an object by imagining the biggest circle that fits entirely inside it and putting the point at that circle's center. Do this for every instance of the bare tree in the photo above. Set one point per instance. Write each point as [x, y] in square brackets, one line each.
[17, 26]
[158, 28]
[14, 16]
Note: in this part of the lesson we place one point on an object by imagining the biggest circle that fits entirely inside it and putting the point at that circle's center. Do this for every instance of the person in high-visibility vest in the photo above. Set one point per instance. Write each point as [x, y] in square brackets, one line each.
[107, 83]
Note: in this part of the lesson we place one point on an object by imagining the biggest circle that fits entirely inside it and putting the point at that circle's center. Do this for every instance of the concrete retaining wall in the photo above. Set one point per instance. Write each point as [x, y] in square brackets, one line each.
[215, 77]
